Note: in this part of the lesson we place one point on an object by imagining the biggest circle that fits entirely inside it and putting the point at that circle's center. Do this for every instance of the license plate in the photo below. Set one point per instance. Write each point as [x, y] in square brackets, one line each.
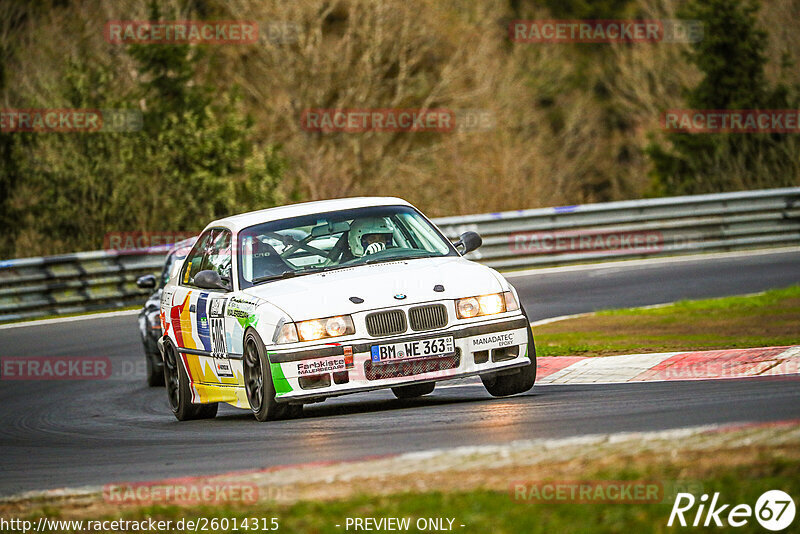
[424, 348]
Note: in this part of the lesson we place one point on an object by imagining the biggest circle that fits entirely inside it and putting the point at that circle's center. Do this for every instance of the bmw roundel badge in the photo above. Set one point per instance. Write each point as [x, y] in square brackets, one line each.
[399, 296]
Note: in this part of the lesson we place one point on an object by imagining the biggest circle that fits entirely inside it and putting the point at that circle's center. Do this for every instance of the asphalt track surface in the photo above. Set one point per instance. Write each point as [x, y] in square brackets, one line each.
[60, 433]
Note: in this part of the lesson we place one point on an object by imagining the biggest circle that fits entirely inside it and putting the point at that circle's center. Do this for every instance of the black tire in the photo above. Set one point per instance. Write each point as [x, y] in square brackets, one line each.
[519, 382]
[258, 383]
[155, 373]
[414, 390]
[178, 391]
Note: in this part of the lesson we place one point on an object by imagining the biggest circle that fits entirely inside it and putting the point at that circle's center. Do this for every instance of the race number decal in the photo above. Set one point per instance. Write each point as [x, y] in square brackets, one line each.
[218, 352]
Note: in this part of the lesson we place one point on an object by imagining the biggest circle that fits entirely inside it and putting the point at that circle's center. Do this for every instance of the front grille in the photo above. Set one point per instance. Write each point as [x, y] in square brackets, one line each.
[386, 323]
[410, 367]
[427, 317]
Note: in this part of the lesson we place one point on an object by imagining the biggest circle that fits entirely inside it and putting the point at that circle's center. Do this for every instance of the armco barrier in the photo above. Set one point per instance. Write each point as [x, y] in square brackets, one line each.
[72, 283]
[104, 280]
[633, 229]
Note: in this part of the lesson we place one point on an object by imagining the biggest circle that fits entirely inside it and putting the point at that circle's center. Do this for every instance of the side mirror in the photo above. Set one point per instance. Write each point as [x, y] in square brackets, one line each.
[209, 279]
[469, 241]
[147, 281]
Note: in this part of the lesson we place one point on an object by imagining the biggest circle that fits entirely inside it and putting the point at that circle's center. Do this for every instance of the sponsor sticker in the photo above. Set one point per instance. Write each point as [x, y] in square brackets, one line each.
[217, 308]
[324, 365]
[223, 367]
[498, 340]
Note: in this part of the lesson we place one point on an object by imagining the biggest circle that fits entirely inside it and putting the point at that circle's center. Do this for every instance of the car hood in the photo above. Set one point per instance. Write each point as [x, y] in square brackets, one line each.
[326, 294]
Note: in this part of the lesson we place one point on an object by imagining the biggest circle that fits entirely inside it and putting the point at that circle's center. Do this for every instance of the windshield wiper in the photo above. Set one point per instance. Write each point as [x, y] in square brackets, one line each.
[287, 274]
[284, 274]
[399, 258]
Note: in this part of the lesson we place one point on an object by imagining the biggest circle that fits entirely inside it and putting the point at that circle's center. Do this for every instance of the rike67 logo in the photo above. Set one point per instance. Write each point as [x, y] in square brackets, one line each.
[774, 510]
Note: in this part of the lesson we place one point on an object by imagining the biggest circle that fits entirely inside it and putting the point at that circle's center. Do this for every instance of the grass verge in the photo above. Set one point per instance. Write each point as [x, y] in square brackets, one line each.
[766, 319]
[740, 474]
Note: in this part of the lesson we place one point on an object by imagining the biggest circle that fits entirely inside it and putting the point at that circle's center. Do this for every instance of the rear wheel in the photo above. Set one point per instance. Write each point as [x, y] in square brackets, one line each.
[258, 383]
[178, 390]
[518, 382]
[414, 390]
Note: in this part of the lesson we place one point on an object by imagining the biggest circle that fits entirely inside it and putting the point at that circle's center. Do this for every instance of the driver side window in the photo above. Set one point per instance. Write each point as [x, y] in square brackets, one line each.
[219, 254]
[194, 261]
[212, 252]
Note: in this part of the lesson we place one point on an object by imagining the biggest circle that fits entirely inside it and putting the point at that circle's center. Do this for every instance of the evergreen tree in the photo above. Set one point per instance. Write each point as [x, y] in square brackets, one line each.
[731, 58]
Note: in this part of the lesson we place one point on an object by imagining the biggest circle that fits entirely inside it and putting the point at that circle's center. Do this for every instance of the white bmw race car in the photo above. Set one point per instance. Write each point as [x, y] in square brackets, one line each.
[291, 305]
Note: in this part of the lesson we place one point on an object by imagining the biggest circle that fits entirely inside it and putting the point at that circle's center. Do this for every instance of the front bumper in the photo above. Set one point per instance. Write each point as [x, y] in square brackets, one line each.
[329, 370]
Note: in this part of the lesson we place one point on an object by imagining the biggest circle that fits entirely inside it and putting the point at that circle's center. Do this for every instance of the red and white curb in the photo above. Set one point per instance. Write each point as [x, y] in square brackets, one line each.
[704, 365]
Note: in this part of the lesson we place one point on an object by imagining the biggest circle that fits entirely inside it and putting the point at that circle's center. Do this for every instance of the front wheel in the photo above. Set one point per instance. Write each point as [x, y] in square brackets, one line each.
[519, 382]
[178, 389]
[414, 390]
[258, 383]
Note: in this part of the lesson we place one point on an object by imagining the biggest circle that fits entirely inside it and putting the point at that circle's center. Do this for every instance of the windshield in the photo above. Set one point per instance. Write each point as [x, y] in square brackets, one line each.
[311, 243]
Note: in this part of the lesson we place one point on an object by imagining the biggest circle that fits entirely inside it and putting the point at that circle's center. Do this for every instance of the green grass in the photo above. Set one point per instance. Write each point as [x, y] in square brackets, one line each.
[768, 319]
[484, 511]
[762, 302]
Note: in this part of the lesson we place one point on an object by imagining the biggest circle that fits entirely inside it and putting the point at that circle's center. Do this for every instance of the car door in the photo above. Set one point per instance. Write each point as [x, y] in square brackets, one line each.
[212, 306]
[184, 296]
[197, 314]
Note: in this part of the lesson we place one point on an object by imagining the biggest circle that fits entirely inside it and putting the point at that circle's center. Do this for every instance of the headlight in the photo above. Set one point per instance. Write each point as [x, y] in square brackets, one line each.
[486, 305]
[340, 325]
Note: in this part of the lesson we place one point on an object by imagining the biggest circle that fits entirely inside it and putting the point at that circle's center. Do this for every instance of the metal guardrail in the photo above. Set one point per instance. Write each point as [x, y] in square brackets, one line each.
[105, 280]
[633, 229]
[72, 283]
